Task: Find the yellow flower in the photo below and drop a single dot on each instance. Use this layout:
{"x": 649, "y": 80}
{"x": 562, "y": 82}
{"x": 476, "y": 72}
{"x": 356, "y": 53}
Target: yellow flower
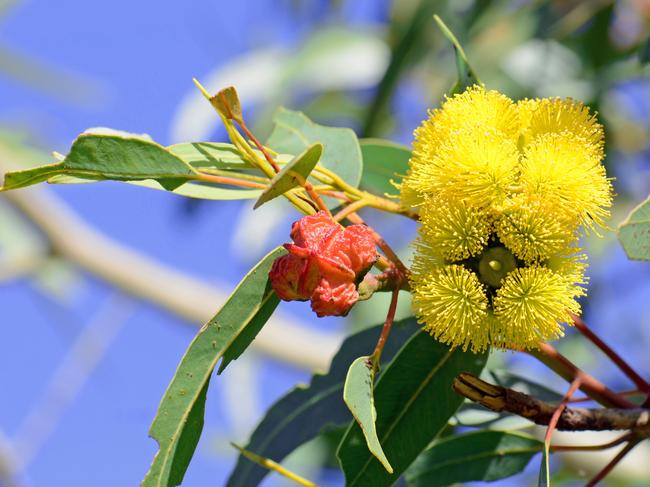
{"x": 533, "y": 231}
{"x": 456, "y": 300}
{"x": 565, "y": 171}
{"x": 504, "y": 191}
{"x": 456, "y": 230}
{"x": 554, "y": 116}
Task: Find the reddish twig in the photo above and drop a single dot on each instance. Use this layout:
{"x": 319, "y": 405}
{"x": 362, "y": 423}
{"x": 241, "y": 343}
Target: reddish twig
{"x": 610, "y": 466}
{"x": 390, "y": 317}
{"x": 605, "y": 446}
{"x": 559, "y": 409}
{"x": 569, "y": 371}
{"x": 620, "y": 362}
{"x": 633, "y": 392}
{"x": 257, "y": 143}
{"x": 381, "y": 243}
{"x": 210, "y": 178}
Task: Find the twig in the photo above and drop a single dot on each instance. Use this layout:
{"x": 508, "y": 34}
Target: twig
{"x": 604, "y": 446}
{"x": 552, "y": 424}
{"x": 619, "y": 361}
{"x": 610, "y": 466}
{"x": 499, "y": 398}
{"x": 569, "y": 371}
{"x": 390, "y": 317}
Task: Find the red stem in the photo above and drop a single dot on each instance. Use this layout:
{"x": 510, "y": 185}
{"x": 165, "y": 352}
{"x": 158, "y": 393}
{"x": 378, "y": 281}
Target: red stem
{"x": 230, "y": 181}
{"x": 381, "y": 243}
{"x": 558, "y": 411}
{"x": 390, "y": 317}
{"x": 569, "y": 371}
{"x": 620, "y": 362}
{"x": 610, "y": 466}
{"x": 257, "y": 143}
{"x": 605, "y": 446}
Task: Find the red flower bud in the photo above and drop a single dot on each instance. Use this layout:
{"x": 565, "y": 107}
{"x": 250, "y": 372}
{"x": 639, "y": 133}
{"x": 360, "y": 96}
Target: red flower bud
{"x": 324, "y": 263}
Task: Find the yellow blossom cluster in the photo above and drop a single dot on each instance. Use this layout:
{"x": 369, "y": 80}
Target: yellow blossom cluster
{"x": 504, "y": 190}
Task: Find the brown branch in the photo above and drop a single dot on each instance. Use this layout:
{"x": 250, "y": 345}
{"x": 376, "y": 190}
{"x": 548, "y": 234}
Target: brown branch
{"x": 499, "y": 399}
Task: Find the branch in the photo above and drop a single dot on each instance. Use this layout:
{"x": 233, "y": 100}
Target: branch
{"x": 498, "y": 399}
{"x": 182, "y": 295}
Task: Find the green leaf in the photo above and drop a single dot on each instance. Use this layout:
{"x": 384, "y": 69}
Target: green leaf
{"x": 382, "y": 161}
{"x": 634, "y": 232}
{"x": 307, "y": 411}
{"x": 477, "y": 456}
{"x": 414, "y": 402}
{"x": 544, "y": 479}
{"x": 109, "y": 155}
{"x": 124, "y": 156}
{"x": 290, "y": 175}
{"x": 466, "y": 75}
{"x": 176, "y": 426}
{"x": 210, "y": 155}
{"x": 294, "y": 132}
{"x": 358, "y": 396}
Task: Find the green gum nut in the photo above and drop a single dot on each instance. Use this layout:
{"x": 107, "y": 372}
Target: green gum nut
{"x": 495, "y": 264}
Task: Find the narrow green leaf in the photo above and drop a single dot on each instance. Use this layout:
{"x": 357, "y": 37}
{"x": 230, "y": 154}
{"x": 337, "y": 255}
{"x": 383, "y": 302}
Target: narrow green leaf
{"x": 294, "y": 132}
{"x": 307, "y": 411}
{"x": 358, "y": 396}
{"x": 414, "y": 402}
{"x": 124, "y": 156}
{"x": 212, "y": 155}
{"x": 634, "y": 232}
{"x": 383, "y": 161}
{"x": 544, "y": 470}
{"x": 176, "y": 427}
{"x": 466, "y": 75}
{"x": 109, "y": 155}
{"x": 189, "y": 190}
{"x": 477, "y": 456}
{"x": 286, "y": 179}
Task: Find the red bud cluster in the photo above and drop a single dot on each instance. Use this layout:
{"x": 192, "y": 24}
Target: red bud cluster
{"x": 324, "y": 264}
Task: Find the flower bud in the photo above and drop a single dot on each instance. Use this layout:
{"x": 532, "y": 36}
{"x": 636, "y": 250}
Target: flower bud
{"x": 324, "y": 264}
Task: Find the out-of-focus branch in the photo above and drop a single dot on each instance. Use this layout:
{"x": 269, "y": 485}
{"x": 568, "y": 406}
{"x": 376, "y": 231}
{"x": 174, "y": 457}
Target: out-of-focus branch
{"x": 185, "y": 296}
{"x": 68, "y": 379}
{"x": 498, "y": 398}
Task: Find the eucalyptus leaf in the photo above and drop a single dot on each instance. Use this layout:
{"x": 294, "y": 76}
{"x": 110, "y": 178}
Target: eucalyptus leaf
{"x": 289, "y": 177}
{"x": 294, "y": 132}
{"x": 307, "y": 411}
{"x": 414, "y": 401}
{"x": 109, "y": 155}
{"x": 544, "y": 479}
{"x": 466, "y": 75}
{"x": 477, "y": 456}
{"x": 358, "y": 396}
{"x": 634, "y": 232}
{"x": 179, "y": 420}
{"x": 210, "y": 155}
{"x": 383, "y": 161}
